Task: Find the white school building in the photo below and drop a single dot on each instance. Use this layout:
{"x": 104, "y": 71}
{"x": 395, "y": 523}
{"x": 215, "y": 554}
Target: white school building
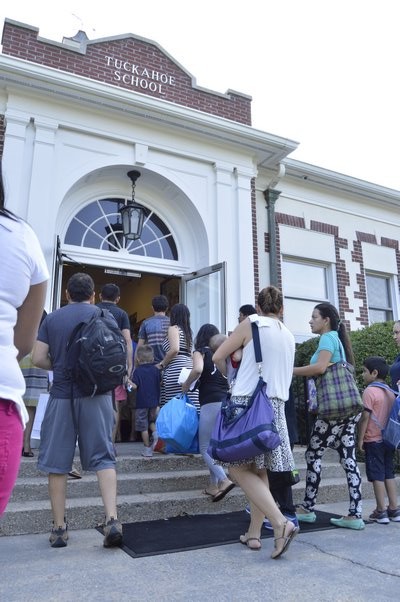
{"x": 227, "y": 211}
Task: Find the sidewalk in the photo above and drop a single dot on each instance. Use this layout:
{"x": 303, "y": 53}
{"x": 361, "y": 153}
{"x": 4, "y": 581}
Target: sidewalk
{"x": 327, "y": 566}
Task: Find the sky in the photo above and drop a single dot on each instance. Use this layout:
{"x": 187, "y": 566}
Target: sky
{"x": 324, "y": 73}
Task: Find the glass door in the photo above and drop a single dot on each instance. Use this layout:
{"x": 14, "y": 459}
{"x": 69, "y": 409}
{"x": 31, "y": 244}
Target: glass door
{"x": 203, "y": 292}
{"x": 57, "y": 276}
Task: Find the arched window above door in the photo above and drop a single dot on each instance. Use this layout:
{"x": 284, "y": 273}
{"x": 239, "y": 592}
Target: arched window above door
{"x": 98, "y": 226}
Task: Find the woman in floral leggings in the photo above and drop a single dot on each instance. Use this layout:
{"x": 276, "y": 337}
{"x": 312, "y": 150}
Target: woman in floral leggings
{"x": 333, "y": 344}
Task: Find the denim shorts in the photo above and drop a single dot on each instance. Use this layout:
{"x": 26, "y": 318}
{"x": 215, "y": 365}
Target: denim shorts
{"x": 144, "y": 417}
{"x": 378, "y": 461}
{"x": 90, "y": 422}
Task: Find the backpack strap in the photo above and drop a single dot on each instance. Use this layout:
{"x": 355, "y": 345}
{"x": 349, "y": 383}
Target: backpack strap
{"x": 380, "y": 385}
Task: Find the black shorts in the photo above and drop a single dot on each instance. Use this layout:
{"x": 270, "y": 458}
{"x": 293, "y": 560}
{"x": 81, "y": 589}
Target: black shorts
{"x": 378, "y": 461}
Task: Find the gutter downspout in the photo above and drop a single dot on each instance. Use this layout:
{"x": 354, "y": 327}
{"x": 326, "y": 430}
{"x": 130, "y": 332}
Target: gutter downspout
{"x": 271, "y": 195}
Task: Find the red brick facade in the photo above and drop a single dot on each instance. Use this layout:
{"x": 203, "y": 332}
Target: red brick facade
{"x": 130, "y": 63}
{"x": 342, "y": 274}
{"x": 2, "y": 133}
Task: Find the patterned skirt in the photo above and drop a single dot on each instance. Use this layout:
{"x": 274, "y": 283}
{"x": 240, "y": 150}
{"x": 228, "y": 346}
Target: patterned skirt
{"x": 36, "y": 381}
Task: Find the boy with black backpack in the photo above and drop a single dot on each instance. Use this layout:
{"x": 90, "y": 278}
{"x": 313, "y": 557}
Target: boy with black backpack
{"x": 79, "y": 409}
{"x": 378, "y": 400}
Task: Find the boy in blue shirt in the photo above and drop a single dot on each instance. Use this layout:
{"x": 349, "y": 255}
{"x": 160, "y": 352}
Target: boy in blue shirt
{"x": 146, "y": 379}
{"x": 378, "y": 401}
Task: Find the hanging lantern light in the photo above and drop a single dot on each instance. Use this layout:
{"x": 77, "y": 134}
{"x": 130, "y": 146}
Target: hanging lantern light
{"x": 132, "y": 214}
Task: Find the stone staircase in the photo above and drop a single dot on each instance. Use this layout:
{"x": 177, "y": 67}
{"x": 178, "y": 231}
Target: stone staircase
{"x": 148, "y": 489}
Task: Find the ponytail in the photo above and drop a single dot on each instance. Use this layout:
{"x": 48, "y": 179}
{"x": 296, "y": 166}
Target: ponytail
{"x": 327, "y": 310}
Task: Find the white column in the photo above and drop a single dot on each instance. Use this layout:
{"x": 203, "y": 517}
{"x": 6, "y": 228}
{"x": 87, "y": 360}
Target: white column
{"x": 15, "y": 158}
{"x": 245, "y": 237}
{"x": 234, "y": 237}
{"x": 43, "y": 206}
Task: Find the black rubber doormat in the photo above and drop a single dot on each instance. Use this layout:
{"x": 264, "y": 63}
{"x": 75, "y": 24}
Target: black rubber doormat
{"x": 189, "y": 532}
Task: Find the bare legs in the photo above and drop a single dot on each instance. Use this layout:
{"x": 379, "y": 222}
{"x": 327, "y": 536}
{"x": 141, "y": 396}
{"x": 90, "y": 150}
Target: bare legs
{"x": 254, "y": 483}
{"x": 58, "y": 492}
{"x": 107, "y": 480}
{"x": 381, "y": 488}
{"x": 28, "y": 429}
{"x": 116, "y": 436}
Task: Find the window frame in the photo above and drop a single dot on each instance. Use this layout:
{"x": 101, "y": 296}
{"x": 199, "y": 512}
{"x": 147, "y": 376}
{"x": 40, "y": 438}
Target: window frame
{"x": 392, "y": 290}
{"x": 330, "y": 283}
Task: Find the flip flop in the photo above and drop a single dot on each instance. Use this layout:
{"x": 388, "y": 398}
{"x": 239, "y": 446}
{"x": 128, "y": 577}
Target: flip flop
{"x": 28, "y": 454}
{"x": 75, "y": 474}
{"x": 208, "y": 492}
{"x": 246, "y": 542}
{"x": 287, "y": 540}
{"x": 222, "y": 492}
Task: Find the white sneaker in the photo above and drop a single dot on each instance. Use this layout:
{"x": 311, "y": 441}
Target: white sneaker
{"x": 147, "y": 452}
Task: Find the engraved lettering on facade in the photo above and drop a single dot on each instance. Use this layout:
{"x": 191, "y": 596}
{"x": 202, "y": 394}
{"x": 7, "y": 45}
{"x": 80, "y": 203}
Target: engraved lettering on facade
{"x": 138, "y": 76}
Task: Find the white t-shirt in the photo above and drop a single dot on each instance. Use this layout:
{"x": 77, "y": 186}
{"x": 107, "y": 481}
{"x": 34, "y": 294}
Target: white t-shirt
{"x": 277, "y": 348}
{"x": 22, "y": 264}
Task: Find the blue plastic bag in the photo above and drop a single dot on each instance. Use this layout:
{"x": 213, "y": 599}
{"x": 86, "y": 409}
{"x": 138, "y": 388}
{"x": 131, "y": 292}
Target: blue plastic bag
{"x": 177, "y": 422}
{"x": 192, "y": 449}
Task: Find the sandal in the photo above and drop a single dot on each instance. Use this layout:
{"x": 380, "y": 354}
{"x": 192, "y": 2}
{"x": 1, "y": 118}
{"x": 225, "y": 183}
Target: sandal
{"x": 28, "y": 454}
{"x": 286, "y": 539}
{"x": 222, "y": 492}
{"x": 75, "y": 474}
{"x": 245, "y": 540}
{"x": 212, "y": 490}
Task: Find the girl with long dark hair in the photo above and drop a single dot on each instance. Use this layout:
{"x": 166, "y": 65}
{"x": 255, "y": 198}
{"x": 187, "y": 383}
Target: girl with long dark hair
{"x": 213, "y": 388}
{"x": 334, "y": 343}
{"x": 178, "y": 347}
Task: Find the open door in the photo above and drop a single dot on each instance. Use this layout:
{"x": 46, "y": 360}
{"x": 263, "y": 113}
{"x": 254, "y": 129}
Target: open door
{"x": 204, "y": 292}
{"x": 57, "y": 276}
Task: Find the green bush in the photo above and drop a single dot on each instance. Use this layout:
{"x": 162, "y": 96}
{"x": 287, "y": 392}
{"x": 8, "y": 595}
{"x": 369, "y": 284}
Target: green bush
{"x": 305, "y": 350}
{"x": 376, "y": 339}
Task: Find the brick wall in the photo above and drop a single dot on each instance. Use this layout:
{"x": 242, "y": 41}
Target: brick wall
{"x": 342, "y": 275}
{"x": 357, "y": 257}
{"x": 2, "y": 134}
{"x": 130, "y": 63}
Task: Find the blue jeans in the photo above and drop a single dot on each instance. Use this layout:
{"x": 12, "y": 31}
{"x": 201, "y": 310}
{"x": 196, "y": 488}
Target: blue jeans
{"x": 208, "y": 416}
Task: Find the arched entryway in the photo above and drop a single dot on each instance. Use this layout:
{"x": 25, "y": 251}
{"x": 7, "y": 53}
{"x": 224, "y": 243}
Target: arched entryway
{"x": 169, "y": 257}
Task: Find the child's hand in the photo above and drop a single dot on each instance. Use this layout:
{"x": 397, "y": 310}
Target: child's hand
{"x": 237, "y": 355}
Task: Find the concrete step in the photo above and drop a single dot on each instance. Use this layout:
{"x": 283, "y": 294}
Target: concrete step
{"x": 129, "y": 460}
{"x": 35, "y": 488}
{"x": 148, "y": 489}
{"x": 85, "y": 513}
{"x": 132, "y": 482}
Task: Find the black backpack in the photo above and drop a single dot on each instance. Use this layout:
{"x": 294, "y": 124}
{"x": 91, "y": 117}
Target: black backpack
{"x": 96, "y": 354}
